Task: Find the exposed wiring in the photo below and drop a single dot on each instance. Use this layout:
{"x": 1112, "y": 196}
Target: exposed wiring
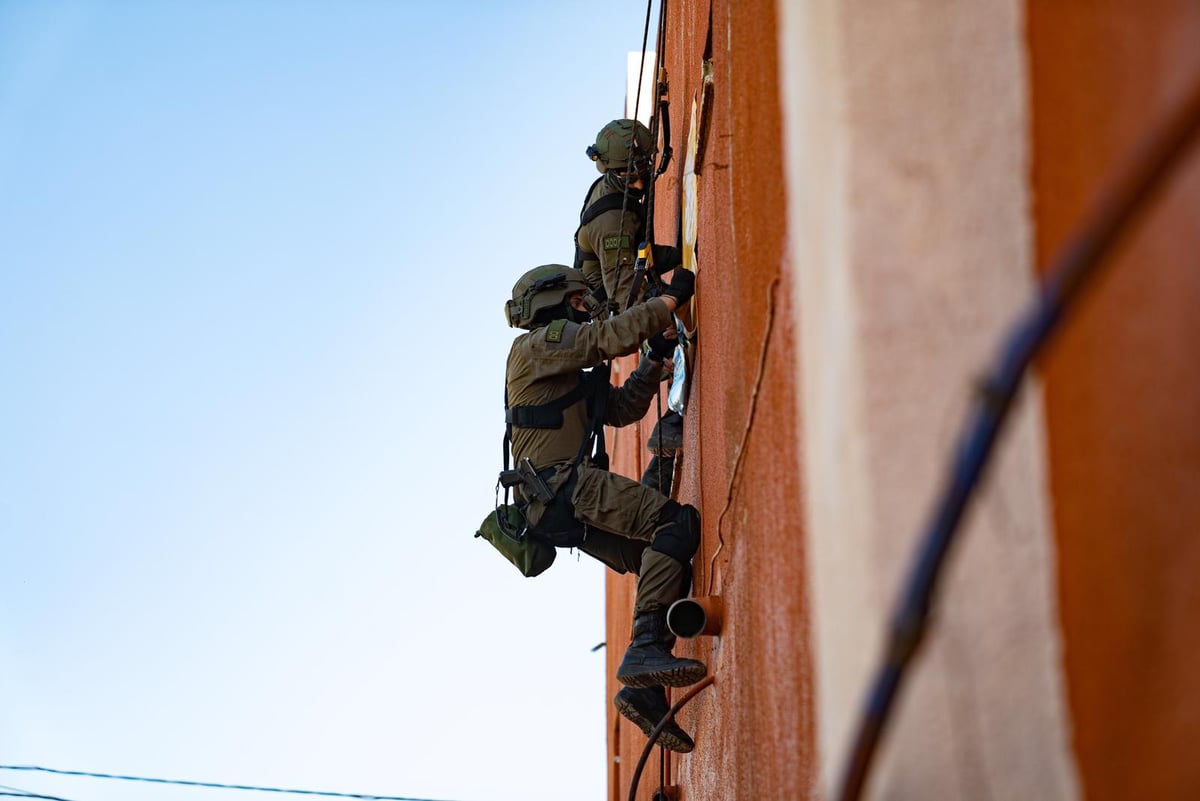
{"x": 737, "y": 464}
{"x": 26, "y": 794}
{"x": 214, "y": 785}
{"x": 14, "y": 789}
{"x": 662, "y": 724}
{"x": 1071, "y": 271}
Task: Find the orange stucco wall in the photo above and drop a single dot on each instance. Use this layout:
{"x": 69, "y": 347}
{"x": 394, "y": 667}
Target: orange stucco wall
{"x": 1122, "y": 388}
{"x": 1120, "y": 399}
{"x": 753, "y": 726}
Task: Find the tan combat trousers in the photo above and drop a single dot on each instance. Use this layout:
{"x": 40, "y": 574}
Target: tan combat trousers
{"x": 621, "y": 518}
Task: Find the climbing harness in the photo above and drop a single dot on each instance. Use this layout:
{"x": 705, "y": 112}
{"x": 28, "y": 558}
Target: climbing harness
{"x": 607, "y": 203}
{"x": 592, "y": 389}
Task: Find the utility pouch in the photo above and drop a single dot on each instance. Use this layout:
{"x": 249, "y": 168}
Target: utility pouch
{"x": 527, "y": 554}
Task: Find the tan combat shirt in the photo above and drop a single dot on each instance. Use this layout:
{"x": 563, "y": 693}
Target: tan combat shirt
{"x": 609, "y": 248}
{"x": 540, "y": 371}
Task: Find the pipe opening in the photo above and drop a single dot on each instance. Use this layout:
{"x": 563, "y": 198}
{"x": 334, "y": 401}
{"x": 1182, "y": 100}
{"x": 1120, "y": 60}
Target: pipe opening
{"x": 691, "y": 617}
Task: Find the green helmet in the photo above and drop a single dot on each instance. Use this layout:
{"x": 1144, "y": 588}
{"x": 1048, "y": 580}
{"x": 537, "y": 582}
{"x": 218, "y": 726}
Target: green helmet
{"x": 542, "y": 288}
{"x": 611, "y": 151}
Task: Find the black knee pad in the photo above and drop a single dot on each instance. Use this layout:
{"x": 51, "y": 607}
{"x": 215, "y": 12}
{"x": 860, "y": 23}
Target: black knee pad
{"x": 678, "y": 534}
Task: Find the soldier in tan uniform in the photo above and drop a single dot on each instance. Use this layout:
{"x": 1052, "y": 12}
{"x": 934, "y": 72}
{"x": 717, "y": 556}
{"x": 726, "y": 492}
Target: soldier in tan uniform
{"x": 612, "y": 221}
{"x": 611, "y": 226}
{"x": 553, "y": 407}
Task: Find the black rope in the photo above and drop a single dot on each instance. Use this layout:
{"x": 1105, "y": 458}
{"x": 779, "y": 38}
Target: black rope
{"x": 1074, "y": 269}
{"x": 658, "y": 428}
{"x": 637, "y": 99}
{"x": 662, "y": 771}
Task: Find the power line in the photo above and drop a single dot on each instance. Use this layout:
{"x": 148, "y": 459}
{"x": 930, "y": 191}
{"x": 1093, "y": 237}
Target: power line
{"x": 21, "y": 793}
{"x": 213, "y": 785}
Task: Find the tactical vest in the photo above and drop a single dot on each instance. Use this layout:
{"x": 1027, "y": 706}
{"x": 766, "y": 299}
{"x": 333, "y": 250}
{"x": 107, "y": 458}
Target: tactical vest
{"x": 592, "y": 388}
{"x": 613, "y": 201}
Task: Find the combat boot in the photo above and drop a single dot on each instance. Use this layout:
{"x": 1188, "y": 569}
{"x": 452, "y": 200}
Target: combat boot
{"x": 648, "y": 660}
{"x": 660, "y": 474}
{"x": 667, "y": 437}
{"x": 645, "y": 708}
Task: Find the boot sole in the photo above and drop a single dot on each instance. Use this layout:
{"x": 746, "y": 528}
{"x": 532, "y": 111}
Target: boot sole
{"x": 675, "y": 677}
{"x": 667, "y": 738}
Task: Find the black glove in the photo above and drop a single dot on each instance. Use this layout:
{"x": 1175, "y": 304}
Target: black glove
{"x": 661, "y": 347}
{"x": 666, "y": 258}
{"x": 682, "y": 286}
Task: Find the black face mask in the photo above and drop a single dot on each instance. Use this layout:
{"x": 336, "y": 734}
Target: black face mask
{"x": 577, "y": 316}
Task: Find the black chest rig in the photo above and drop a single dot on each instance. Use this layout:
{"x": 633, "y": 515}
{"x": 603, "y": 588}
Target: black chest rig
{"x": 613, "y": 201}
{"x": 593, "y": 388}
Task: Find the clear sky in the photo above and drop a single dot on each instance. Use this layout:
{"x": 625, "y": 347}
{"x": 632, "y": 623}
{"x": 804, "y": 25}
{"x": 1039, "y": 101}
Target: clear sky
{"x": 253, "y": 258}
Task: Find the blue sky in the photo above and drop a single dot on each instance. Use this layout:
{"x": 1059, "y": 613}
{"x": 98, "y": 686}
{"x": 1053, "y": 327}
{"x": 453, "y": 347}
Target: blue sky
{"x": 253, "y": 257}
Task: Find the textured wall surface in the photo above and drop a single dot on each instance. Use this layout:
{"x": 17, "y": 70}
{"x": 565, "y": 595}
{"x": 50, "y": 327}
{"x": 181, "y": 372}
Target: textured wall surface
{"x": 880, "y": 186}
{"x": 906, "y": 143}
{"x": 1123, "y": 397}
{"x": 753, "y": 727}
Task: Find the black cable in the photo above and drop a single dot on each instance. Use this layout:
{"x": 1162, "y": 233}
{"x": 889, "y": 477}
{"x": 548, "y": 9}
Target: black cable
{"x": 662, "y": 771}
{"x": 1073, "y": 269}
{"x": 637, "y": 99}
{"x": 658, "y": 428}
{"x": 632, "y": 140}
{"x": 24, "y": 794}
{"x": 652, "y": 738}
{"x": 214, "y": 785}
{"x": 14, "y": 789}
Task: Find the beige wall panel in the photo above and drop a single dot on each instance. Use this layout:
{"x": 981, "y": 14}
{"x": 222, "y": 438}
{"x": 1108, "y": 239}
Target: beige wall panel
{"x": 905, "y": 131}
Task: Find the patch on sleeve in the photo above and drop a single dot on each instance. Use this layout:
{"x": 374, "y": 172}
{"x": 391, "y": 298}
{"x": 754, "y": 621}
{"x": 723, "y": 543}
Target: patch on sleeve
{"x": 616, "y": 242}
{"x": 560, "y": 335}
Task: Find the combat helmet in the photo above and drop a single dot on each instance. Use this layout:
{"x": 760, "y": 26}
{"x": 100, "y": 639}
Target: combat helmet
{"x": 611, "y": 151}
{"x": 542, "y": 288}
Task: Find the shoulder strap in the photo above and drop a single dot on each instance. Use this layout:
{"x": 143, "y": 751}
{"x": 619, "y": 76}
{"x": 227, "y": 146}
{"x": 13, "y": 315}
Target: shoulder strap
{"x": 587, "y": 197}
{"x": 596, "y": 389}
{"x": 614, "y": 201}
{"x": 593, "y": 388}
{"x": 611, "y": 202}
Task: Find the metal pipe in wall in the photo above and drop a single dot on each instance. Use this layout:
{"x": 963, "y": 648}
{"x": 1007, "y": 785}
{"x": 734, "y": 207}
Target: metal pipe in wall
{"x": 692, "y": 617}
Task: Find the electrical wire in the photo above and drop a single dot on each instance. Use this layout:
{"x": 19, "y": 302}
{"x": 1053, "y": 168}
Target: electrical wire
{"x": 692, "y": 692}
{"x": 741, "y": 451}
{"x": 1074, "y": 268}
{"x": 27, "y": 794}
{"x": 213, "y": 785}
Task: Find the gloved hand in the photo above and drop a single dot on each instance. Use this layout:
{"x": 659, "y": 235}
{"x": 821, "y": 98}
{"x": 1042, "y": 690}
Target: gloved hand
{"x": 682, "y": 286}
{"x": 666, "y": 258}
{"x": 660, "y": 347}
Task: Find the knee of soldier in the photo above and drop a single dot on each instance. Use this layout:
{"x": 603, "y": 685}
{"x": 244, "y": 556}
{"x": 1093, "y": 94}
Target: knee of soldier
{"x": 678, "y": 532}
